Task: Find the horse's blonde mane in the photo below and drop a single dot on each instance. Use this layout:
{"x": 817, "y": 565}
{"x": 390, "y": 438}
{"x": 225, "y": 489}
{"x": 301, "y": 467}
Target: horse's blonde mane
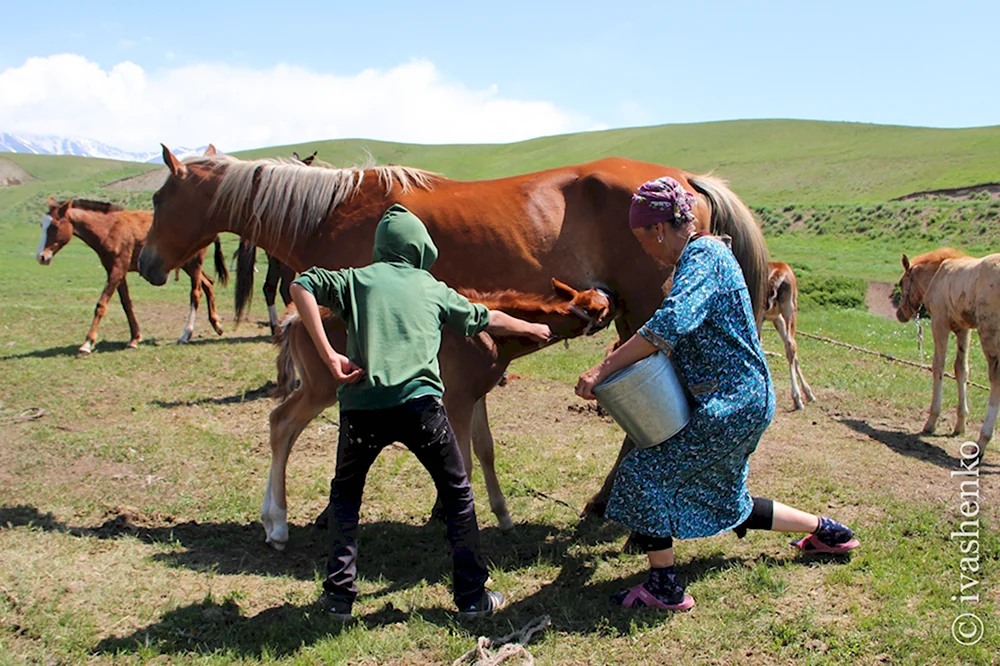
{"x": 282, "y": 197}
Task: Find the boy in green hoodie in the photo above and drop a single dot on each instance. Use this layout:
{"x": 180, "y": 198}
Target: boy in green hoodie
{"x": 391, "y": 391}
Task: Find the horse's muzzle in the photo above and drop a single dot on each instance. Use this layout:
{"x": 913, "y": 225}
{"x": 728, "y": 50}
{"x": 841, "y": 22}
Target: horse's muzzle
{"x": 902, "y": 316}
{"x": 44, "y": 258}
{"x": 151, "y": 268}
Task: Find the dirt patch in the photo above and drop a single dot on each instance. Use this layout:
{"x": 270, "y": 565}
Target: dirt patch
{"x": 878, "y": 299}
{"x": 12, "y": 174}
{"x": 986, "y": 190}
{"x": 144, "y": 182}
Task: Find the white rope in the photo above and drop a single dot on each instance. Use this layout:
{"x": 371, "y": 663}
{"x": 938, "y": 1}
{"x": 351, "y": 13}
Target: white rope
{"x": 510, "y": 645}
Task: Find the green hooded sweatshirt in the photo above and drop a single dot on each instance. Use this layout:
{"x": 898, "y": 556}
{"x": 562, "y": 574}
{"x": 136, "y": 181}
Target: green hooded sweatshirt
{"x": 394, "y": 310}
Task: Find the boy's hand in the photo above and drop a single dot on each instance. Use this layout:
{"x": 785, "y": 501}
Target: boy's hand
{"x": 539, "y": 333}
{"x": 343, "y": 370}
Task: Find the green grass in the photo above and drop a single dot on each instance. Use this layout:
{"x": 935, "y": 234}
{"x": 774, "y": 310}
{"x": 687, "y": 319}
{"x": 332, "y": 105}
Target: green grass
{"x": 768, "y": 162}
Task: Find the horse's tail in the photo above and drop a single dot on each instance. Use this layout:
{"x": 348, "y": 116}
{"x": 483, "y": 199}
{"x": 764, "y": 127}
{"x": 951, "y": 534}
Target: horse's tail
{"x": 731, "y": 216}
{"x": 285, "y": 361}
{"x": 246, "y": 257}
{"x": 221, "y": 272}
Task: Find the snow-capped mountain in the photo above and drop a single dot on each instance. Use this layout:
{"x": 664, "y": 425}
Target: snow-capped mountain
{"x": 40, "y": 144}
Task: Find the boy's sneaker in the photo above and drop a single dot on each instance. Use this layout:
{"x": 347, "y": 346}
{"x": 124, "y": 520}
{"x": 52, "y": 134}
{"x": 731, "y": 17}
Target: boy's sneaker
{"x": 489, "y": 603}
{"x": 337, "y": 609}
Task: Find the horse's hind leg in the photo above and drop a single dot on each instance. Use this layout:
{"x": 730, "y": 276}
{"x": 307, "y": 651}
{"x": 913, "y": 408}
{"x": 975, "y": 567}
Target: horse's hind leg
{"x": 133, "y": 323}
{"x": 599, "y": 502}
{"x": 287, "y": 420}
{"x": 270, "y": 290}
{"x": 115, "y": 276}
{"x": 208, "y": 285}
{"x": 989, "y": 423}
{"x": 194, "y": 272}
{"x": 962, "y": 378}
{"x": 790, "y": 351}
{"x": 482, "y": 444}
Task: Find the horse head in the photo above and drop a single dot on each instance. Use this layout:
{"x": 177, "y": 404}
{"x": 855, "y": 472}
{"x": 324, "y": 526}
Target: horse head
{"x": 181, "y": 222}
{"x": 57, "y": 230}
{"x": 593, "y": 307}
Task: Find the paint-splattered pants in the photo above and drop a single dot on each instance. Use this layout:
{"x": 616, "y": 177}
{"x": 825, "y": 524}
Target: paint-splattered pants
{"x": 422, "y": 425}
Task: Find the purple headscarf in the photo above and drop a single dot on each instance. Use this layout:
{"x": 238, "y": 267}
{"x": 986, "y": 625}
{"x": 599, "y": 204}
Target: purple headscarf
{"x": 661, "y": 200}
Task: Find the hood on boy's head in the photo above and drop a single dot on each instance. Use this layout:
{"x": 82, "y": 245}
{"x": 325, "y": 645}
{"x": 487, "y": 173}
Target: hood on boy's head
{"x": 401, "y": 237}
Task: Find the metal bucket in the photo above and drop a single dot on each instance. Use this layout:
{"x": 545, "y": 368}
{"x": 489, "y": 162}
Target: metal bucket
{"x": 646, "y": 399}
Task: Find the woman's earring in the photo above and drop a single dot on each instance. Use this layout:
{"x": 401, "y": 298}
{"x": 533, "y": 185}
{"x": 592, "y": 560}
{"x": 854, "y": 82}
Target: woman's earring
{"x": 659, "y": 239}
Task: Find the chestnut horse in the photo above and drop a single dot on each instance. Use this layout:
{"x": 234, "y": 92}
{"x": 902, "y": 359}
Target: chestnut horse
{"x": 781, "y": 310}
{"x": 961, "y": 293}
{"x": 116, "y": 235}
{"x": 278, "y": 279}
{"x": 469, "y": 366}
{"x": 507, "y": 233}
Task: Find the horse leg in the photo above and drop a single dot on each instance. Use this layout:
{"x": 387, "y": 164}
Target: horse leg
{"x": 115, "y": 276}
{"x": 599, "y": 502}
{"x": 940, "y": 332}
{"x": 195, "y": 274}
{"x": 482, "y": 444}
{"x": 789, "y": 311}
{"x": 962, "y": 378}
{"x": 133, "y": 324}
{"x": 287, "y": 420}
{"x": 287, "y": 277}
{"x": 270, "y": 290}
{"x": 993, "y": 405}
{"x": 208, "y": 286}
{"x": 783, "y": 332}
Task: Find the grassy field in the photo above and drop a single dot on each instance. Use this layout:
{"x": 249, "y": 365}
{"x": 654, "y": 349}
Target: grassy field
{"x": 769, "y": 162}
{"x": 128, "y": 512}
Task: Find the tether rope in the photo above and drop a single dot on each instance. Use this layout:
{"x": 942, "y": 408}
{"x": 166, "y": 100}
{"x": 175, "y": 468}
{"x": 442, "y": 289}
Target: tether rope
{"x": 888, "y": 357}
{"x": 510, "y": 645}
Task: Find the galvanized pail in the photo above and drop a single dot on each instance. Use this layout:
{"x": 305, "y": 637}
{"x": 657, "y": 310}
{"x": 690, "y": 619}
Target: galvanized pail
{"x": 646, "y": 399}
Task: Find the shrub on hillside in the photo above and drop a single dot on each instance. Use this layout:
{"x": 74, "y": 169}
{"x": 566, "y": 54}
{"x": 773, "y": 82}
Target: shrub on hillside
{"x": 830, "y": 291}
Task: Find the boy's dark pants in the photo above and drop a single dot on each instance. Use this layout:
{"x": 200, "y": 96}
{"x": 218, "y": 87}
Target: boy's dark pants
{"x": 422, "y": 425}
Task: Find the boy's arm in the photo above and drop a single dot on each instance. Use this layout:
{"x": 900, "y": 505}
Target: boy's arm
{"x": 469, "y": 319}
{"x": 502, "y": 323}
{"x": 343, "y": 370}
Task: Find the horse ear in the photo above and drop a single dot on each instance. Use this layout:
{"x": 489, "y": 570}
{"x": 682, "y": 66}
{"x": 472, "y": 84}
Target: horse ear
{"x": 52, "y": 203}
{"x": 309, "y": 160}
{"x": 906, "y": 263}
{"x": 564, "y": 289}
{"x": 211, "y": 150}
{"x": 176, "y": 167}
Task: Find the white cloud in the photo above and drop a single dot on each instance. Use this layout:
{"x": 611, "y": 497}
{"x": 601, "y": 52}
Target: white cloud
{"x": 238, "y": 108}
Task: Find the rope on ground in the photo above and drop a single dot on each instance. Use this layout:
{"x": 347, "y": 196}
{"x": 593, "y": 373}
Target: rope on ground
{"x": 888, "y": 357}
{"x": 27, "y": 414}
{"x": 510, "y": 645}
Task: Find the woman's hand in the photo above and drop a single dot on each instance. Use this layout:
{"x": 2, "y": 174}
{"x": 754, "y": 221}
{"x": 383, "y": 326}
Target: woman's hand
{"x": 343, "y": 369}
{"x": 588, "y": 380}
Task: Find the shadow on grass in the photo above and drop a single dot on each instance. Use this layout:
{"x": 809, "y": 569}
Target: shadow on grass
{"x": 905, "y": 444}
{"x": 402, "y": 555}
{"x": 263, "y": 391}
{"x": 70, "y": 350}
{"x": 229, "y": 340}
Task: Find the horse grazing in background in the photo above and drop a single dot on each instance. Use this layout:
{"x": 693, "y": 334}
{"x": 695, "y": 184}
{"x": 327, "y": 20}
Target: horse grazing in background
{"x": 961, "y": 293}
{"x": 117, "y": 236}
{"x": 781, "y": 310}
{"x": 277, "y": 273}
{"x": 509, "y": 233}
{"x": 469, "y": 368}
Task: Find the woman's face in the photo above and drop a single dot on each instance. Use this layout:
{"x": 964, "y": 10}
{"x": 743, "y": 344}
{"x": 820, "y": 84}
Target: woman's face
{"x": 662, "y": 242}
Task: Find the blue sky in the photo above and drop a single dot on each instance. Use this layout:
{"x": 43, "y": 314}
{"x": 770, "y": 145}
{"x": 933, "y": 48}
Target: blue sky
{"x": 468, "y": 71}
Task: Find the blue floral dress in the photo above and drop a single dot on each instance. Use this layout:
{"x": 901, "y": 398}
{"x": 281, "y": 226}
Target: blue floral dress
{"x": 695, "y": 483}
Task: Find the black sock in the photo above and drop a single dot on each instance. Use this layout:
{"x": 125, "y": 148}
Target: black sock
{"x": 662, "y": 582}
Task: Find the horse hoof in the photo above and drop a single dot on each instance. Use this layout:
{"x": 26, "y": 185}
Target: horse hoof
{"x": 277, "y": 545}
{"x": 505, "y": 523}
{"x": 594, "y": 508}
